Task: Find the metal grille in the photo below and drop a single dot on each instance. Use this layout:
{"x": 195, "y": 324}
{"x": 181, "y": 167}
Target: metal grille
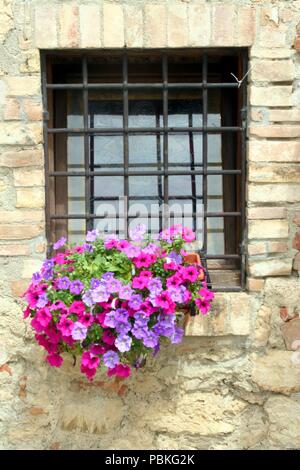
{"x": 163, "y": 171}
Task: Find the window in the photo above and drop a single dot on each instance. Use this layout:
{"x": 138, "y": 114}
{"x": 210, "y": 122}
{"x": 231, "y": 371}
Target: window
{"x": 149, "y": 134}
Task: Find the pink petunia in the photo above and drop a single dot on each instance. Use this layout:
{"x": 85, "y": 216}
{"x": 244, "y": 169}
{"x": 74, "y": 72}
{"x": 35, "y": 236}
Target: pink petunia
{"x": 26, "y": 312}
{"x": 55, "y": 360}
{"x": 206, "y": 294}
{"x": 65, "y": 326}
{"x": 44, "y": 316}
{"x": 77, "y": 307}
{"x": 140, "y": 282}
{"x": 121, "y": 370}
{"x": 174, "y": 281}
{"x": 89, "y": 360}
{"x": 98, "y": 349}
{"x": 108, "y": 337}
{"x": 189, "y": 273}
{"x": 188, "y": 235}
{"x": 203, "y": 305}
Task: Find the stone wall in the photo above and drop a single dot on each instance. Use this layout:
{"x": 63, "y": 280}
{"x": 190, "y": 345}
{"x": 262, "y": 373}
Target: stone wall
{"x": 231, "y": 384}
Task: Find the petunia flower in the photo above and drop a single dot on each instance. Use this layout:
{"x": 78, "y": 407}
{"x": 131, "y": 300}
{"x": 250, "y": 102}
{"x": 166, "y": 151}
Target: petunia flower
{"x": 79, "y": 331}
{"x": 92, "y": 235}
{"x": 61, "y": 242}
{"x": 55, "y": 360}
{"x": 111, "y": 359}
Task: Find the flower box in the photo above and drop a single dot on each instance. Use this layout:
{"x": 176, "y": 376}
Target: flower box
{"x": 114, "y": 301}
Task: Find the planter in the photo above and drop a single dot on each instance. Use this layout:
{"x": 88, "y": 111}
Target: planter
{"x": 112, "y": 301}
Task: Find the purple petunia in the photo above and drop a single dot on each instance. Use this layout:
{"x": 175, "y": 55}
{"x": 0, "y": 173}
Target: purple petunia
{"x": 111, "y": 359}
{"x": 135, "y": 302}
{"x": 42, "y": 301}
{"x": 87, "y": 298}
{"x": 113, "y": 285}
{"x": 125, "y": 292}
{"x": 95, "y": 283}
{"x": 61, "y": 242}
{"x": 79, "y": 331}
{"x": 36, "y": 278}
{"x": 123, "y": 343}
{"x": 155, "y": 286}
{"x": 150, "y": 340}
{"x": 122, "y": 327}
{"x": 92, "y": 235}
{"x": 177, "y": 336}
{"x": 137, "y": 234}
{"x": 63, "y": 283}
{"x": 100, "y": 294}
{"x": 139, "y": 330}
{"x": 76, "y": 287}
{"x": 110, "y": 319}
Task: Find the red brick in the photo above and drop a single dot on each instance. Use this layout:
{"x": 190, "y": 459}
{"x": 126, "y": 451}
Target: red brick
{"x": 18, "y": 287}
{"x": 11, "y": 110}
{"x": 15, "y": 159}
{"x": 32, "y": 110}
{"x": 296, "y": 241}
{"x": 20, "y": 232}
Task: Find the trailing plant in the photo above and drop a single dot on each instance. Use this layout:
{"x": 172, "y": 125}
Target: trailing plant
{"x": 112, "y": 301}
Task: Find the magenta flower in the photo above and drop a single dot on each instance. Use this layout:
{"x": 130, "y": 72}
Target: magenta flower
{"x": 188, "y": 234}
{"x": 90, "y": 360}
{"x": 44, "y": 317}
{"x": 55, "y": 360}
{"x": 189, "y": 273}
{"x": 206, "y": 294}
{"x": 120, "y": 370}
{"x": 203, "y": 305}
{"x": 108, "y": 337}
{"x": 140, "y": 282}
{"x": 77, "y": 307}
{"x": 65, "y": 326}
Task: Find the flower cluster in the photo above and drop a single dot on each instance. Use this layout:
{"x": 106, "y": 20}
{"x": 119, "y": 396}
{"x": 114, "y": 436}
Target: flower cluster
{"x": 114, "y": 301}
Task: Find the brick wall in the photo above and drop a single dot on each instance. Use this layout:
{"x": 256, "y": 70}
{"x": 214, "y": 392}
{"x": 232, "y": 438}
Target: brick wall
{"x": 231, "y": 384}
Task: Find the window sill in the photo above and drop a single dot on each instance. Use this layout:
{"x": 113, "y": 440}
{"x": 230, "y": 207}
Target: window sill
{"x": 230, "y": 315}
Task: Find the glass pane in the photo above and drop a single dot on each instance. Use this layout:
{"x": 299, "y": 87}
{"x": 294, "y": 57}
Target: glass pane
{"x": 108, "y": 186}
{"x": 215, "y": 235}
{"x": 107, "y": 152}
{"x": 145, "y": 109}
{"x": 105, "y": 109}
{"x": 145, "y": 149}
{"x": 185, "y": 109}
{"x": 185, "y": 149}
{"x": 75, "y": 153}
{"x": 144, "y": 186}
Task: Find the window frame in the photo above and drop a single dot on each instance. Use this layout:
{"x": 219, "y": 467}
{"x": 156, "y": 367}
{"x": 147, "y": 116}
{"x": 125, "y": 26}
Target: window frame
{"x": 165, "y": 86}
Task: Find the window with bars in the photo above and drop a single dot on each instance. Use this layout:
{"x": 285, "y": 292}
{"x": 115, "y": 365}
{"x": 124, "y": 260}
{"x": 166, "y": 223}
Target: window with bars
{"x": 144, "y": 135}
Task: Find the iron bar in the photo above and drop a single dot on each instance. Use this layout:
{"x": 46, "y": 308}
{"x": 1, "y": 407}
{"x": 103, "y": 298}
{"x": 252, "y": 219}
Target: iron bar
{"x": 138, "y": 86}
{"x": 144, "y": 130}
{"x": 86, "y": 143}
{"x": 144, "y": 173}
